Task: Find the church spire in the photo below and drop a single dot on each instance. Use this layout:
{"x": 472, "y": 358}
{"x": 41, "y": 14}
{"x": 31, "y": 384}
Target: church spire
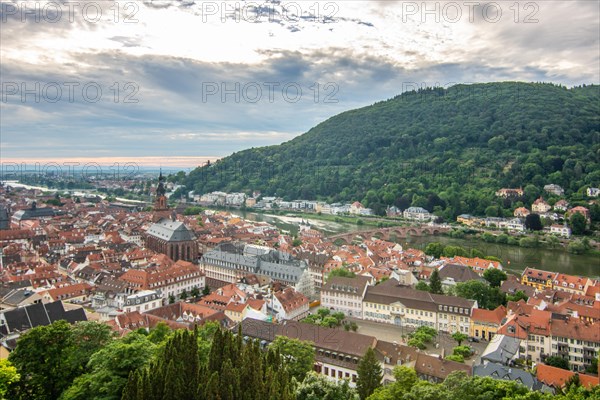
{"x": 160, "y": 190}
{"x": 161, "y": 209}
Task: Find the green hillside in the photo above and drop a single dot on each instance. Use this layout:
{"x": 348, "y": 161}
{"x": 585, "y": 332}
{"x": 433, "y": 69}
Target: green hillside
{"x": 447, "y": 150}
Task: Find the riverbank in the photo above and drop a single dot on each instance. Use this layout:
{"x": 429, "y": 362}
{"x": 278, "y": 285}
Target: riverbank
{"x": 514, "y": 258}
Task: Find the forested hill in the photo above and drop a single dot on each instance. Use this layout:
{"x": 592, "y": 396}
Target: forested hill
{"x": 448, "y": 149}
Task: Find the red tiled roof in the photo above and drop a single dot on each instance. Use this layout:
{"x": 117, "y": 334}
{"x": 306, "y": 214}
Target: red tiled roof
{"x": 557, "y": 377}
{"x": 69, "y": 291}
{"x": 491, "y": 316}
{"x": 291, "y": 299}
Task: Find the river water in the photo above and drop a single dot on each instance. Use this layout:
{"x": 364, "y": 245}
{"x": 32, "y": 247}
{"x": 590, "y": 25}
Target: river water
{"x": 515, "y": 259}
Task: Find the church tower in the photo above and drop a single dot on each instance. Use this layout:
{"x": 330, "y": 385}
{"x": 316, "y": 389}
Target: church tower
{"x": 161, "y": 209}
{"x": 167, "y": 235}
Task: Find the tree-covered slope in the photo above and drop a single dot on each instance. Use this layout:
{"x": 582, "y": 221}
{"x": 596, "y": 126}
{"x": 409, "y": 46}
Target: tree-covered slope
{"x": 446, "y": 148}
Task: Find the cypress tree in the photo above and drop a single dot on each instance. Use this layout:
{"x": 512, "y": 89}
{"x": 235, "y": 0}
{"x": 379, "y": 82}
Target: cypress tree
{"x": 369, "y": 374}
{"x": 215, "y": 358}
{"x": 435, "y": 283}
{"x": 211, "y": 391}
{"x": 130, "y": 389}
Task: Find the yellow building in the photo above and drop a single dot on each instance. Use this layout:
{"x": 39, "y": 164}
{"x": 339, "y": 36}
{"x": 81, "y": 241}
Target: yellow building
{"x": 485, "y": 323}
{"x": 236, "y": 311}
{"x": 537, "y": 278}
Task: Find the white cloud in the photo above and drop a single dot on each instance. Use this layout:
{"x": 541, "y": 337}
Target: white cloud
{"x": 368, "y": 50}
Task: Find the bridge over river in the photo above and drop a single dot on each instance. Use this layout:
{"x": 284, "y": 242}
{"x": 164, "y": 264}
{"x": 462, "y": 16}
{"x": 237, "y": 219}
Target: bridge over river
{"x": 390, "y": 233}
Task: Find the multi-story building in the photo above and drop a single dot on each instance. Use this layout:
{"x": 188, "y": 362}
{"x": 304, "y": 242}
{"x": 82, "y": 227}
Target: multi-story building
{"x": 593, "y": 192}
{"x": 580, "y": 210}
{"x": 143, "y": 301}
{"x": 338, "y": 353}
{"x": 561, "y": 205}
{"x": 183, "y": 276}
{"x": 230, "y": 262}
{"x": 571, "y": 283}
{"x": 345, "y": 294}
{"x": 575, "y": 340}
{"x": 541, "y": 280}
{"x": 537, "y": 278}
{"x": 392, "y": 303}
{"x": 521, "y": 212}
{"x": 540, "y": 206}
{"x": 533, "y": 331}
{"x": 560, "y": 230}
{"x": 508, "y": 193}
{"x": 479, "y": 265}
{"x": 417, "y": 213}
{"x": 541, "y": 334}
{"x": 289, "y": 304}
{"x": 554, "y": 189}
{"x": 485, "y": 323}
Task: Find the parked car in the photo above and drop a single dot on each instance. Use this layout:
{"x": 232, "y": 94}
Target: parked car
{"x": 473, "y": 339}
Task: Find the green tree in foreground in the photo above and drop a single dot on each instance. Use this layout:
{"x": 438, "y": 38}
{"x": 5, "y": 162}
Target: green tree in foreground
{"x": 110, "y": 368}
{"x": 8, "y": 377}
{"x": 369, "y": 374}
{"x": 50, "y": 357}
{"x": 233, "y": 370}
{"x": 405, "y": 379}
{"x": 318, "y": 387}
{"x": 299, "y": 355}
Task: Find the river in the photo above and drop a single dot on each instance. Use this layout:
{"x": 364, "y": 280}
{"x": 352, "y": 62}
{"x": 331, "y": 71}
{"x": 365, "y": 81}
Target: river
{"x": 515, "y": 259}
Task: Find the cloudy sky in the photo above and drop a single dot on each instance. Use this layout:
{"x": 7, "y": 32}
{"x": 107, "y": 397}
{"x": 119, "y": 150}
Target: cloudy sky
{"x": 153, "y": 81}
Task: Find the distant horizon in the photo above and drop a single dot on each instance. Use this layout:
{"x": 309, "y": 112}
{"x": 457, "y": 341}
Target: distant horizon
{"x": 28, "y": 164}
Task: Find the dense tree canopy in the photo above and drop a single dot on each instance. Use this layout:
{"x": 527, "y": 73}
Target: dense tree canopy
{"x": 49, "y": 358}
{"x": 459, "y": 386}
{"x": 447, "y": 150}
{"x": 8, "y": 377}
{"x": 300, "y": 355}
{"x": 486, "y": 296}
{"x": 494, "y": 276}
{"x": 318, "y": 387}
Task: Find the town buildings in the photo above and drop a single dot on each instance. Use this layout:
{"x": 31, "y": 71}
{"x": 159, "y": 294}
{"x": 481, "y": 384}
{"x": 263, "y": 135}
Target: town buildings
{"x": 392, "y": 303}
{"x": 338, "y": 352}
{"x": 167, "y": 235}
{"x": 417, "y": 214}
{"x": 229, "y": 262}
{"x": 345, "y": 295}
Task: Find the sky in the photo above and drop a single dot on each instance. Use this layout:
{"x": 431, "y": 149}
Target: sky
{"x": 179, "y": 82}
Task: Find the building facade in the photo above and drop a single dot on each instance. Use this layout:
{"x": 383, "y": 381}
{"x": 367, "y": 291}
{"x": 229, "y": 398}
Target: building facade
{"x": 345, "y": 295}
{"x": 400, "y": 305}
